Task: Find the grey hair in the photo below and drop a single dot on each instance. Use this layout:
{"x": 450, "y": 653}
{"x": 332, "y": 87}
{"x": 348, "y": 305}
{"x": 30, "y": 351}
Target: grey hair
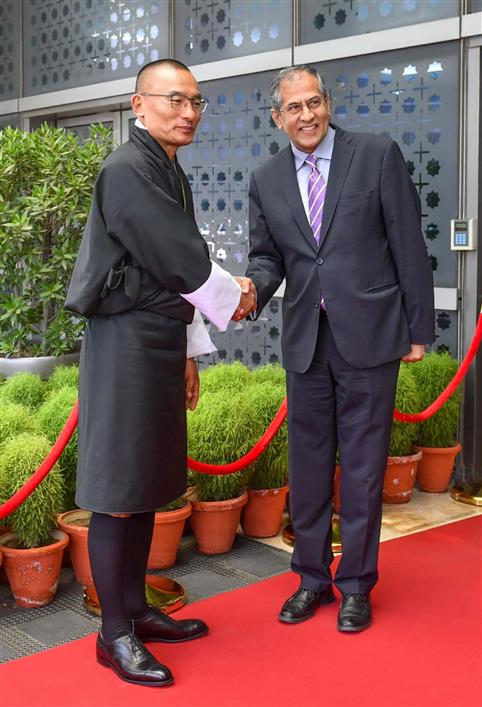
{"x": 290, "y": 73}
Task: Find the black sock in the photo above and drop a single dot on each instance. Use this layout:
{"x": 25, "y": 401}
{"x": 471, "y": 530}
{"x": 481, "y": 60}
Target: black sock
{"x": 139, "y": 536}
{"x": 107, "y": 554}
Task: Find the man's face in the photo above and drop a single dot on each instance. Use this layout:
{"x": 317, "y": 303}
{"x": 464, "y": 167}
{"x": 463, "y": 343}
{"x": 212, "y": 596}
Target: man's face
{"x": 305, "y": 113}
{"x": 171, "y": 128}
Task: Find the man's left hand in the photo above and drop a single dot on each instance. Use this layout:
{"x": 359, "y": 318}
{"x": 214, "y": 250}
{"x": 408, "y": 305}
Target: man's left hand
{"x": 416, "y": 353}
{"x": 191, "y": 379}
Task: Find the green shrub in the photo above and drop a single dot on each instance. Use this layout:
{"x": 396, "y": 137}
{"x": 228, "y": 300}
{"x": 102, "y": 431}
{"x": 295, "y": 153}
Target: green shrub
{"x": 270, "y": 470}
{"x": 27, "y": 389}
{"x": 407, "y": 400}
{"x": 46, "y": 183}
{"x": 20, "y": 456}
{"x": 226, "y": 377}
{"x": 433, "y": 374}
{"x": 63, "y": 376}
{"x": 270, "y": 373}
{"x": 15, "y": 419}
{"x": 222, "y": 429}
{"x": 174, "y": 505}
{"x": 51, "y": 418}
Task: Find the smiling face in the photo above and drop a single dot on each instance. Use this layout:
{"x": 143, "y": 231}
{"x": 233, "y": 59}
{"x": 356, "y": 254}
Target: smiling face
{"x": 306, "y": 128}
{"x": 171, "y": 128}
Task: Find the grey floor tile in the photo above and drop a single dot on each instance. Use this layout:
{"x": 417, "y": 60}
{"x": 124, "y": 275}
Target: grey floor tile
{"x": 7, "y": 653}
{"x": 207, "y": 583}
{"x": 261, "y": 565}
{"x": 57, "y": 628}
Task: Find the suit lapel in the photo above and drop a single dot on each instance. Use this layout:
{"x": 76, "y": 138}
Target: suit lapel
{"x": 293, "y": 196}
{"x": 340, "y": 161}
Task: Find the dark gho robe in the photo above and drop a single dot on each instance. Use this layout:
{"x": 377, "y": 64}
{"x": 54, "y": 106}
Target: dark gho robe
{"x": 141, "y": 247}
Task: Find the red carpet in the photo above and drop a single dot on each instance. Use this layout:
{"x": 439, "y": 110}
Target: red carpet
{"x": 424, "y": 648}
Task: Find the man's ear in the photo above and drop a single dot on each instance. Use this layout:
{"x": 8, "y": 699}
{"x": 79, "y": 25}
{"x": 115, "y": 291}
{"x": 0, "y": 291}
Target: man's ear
{"x": 137, "y": 104}
{"x": 277, "y": 119}
{"x": 328, "y": 104}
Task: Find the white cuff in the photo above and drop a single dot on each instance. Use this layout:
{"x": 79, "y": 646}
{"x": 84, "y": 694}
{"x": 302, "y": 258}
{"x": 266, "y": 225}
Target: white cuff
{"x": 217, "y": 298}
{"x": 198, "y": 339}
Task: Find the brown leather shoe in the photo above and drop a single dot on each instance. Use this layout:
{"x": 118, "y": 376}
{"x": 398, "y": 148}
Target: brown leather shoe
{"x": 132, "y": 662}
{"x": 159, "y": 627}
{"x": 303, "y": 604}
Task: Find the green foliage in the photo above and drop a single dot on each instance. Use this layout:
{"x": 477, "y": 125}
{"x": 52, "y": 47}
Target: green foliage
{"x": 270, "y": 470}
{"x": 174, "y": 505}
{"x": 222, "y": 429}
{"x": 34, "y": 519}
{"x": 63, "y": 376}
{"x": 433, "y": 374}
{"x": 270, "y": 373}
{"x": 26, "y": 389}
{"x": 14, "y": 419}
{"x": 225, "y": 376}
{"x": 407, "y": 400}
{"x": 51, "y": 418}
{"x": 46, "y": 184}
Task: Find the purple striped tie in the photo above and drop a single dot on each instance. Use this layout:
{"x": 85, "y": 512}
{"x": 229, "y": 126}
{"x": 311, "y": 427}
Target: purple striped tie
{"x": 316, "y": 196}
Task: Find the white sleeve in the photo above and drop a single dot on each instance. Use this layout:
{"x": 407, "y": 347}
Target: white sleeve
{"x": 217, "y": 298}
{"x": 198, "y": 339}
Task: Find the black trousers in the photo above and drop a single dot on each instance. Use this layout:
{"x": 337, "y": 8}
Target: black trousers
{"x": 335, "y": 405}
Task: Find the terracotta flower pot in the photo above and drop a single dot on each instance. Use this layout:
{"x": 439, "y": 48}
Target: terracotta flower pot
{"x": 435, "y": 469}
{"x": 33, "y": 574}
{"x": 336, "y": 489}
{"x": 215, "y": 523}
{"x": 76, "y": 524}
{"x": 261, "y": 516}
{"x": 400, "y": 476}
{"x": 168, "y": 527}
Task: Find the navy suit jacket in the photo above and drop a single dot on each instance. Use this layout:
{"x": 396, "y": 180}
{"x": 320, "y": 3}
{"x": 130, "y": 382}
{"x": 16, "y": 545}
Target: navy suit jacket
{"x": 371, "y": 263}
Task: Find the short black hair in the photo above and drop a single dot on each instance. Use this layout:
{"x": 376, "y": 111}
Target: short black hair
{"x": 159, "y": 62}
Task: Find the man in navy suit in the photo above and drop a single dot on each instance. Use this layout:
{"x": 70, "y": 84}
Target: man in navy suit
{"x": 336, "y": 214}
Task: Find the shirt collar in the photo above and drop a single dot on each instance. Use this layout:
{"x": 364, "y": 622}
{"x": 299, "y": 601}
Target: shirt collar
{"x": 324, "y": 150}
{"x": 140, "y": 125}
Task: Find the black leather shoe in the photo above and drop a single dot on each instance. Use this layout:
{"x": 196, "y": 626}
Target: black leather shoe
{"x": 159, "y": 627}
{"x": 132, "y": 661}
{"x": 303, "y": 604}
{"x": 355, "y": 613}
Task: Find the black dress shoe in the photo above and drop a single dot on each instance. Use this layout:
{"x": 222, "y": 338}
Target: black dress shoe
{"x": 132, "y": 661}
{"x": 159, "y": 627}
{"x": 355, "y": 613}
{"x": 303, "y": 604}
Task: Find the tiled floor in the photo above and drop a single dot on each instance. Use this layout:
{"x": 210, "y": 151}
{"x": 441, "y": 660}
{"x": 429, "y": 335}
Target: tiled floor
{"x": 25, "y": 631}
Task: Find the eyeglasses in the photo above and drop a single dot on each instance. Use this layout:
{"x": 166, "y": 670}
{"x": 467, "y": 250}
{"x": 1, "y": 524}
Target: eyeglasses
{"x": 296, "y": 108}
{"x": 179, "y": 101}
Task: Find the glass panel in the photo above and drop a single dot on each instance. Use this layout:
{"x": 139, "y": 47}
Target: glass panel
{"x": 329, "y": 19}
{"x": 475, "y": 5}
{"x": 9, "y": 49}
{"x": 82, "y": 130}
{"x": 410, "y": 95}
{"x": 235, "y": 135}
{"x": 208, "y": 30}
{"x": 12, "y": 120}
{"x": 71, "y": 43}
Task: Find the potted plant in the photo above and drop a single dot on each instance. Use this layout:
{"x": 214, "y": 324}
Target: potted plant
{"x": 403, "y": 460}
{"x": 222, "y": 429}
{"x": 271, "y": 373}
{"x": 267, "y": 486}
{"x": 46, "y": 184}
{"x": 168, "y": 529}
{"x": 32, "y": 552}
{"x": 75, "y": 524}
{"x": 27, "y": 389}
{"x": 15, "y": 419}
{"x": 229, "y": 377}
{"x": 437, "y": 436}
{"x": 51, "y": 418}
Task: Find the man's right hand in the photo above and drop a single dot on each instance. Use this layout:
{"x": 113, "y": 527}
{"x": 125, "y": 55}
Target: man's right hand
{"x": 247, "y": 303}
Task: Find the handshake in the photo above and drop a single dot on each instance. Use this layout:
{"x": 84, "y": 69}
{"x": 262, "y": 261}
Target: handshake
{"x": 247, "y": 303}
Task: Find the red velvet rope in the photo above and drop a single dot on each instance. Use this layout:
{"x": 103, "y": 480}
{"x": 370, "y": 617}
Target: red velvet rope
{"x": 19, "y": 497}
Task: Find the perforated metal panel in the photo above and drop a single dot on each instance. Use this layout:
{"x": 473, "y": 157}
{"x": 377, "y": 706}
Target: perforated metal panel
{"x": 71, "y": 43}
{"x": 9, "y": 49}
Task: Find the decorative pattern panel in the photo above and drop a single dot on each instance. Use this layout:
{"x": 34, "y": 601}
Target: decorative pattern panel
{"x": 9, "y": 49}
{"x": 71, "y": 43}
{"x": 235, "y": 135}
{"x": 209, "y": 30}
{"x": 409, "y": 95}
{"x": 330, "y": 19}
